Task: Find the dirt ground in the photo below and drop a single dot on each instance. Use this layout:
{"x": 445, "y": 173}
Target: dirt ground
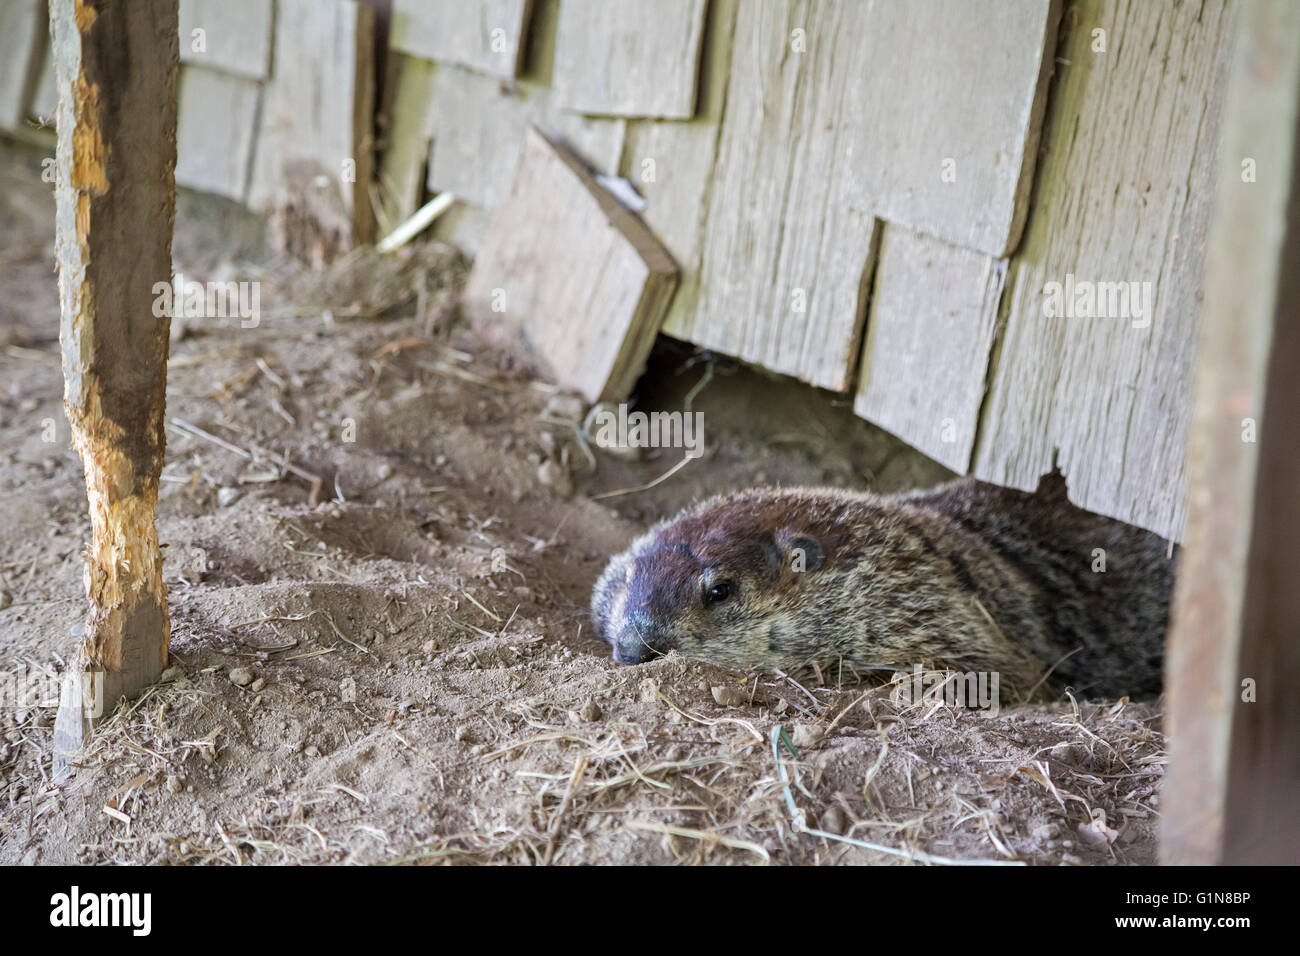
{"x": 395, "y": 663}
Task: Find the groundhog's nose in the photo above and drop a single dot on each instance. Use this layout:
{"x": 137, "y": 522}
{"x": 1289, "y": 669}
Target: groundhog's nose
{"x": 631, "y": 653}
{"x": 638, "y": 641}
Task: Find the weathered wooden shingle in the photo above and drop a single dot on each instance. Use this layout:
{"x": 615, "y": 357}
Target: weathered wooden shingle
{"x": 229, "y": 35}
{"x": 583, "y": 278}
{"x": 629, "y": 59}
{"x": 214, "y": 137}
{"x": 934, "y": 310}
{"x": 314, "y": 135}
{"x": 672, "y": 163}
{"x": 22, "y": 25}
{"x": 1122, "y": 197}
{"x": 484, "y": 35}
{"x": 827, "y": 128}
{"x": 479, "y": 130}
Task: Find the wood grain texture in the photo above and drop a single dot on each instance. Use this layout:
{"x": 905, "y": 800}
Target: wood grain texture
{"x": 235, "y": 35}
{"x": 1123, "y": 196}
{"x": 672, "y": 163}
{"x": 1229, "y": 796}
{"x": 934, "y": 310}
{"x": 786, "y": 244}
{"x": 214, "y": 137}
{"x": 629, "y": 59}
{"x": 22, "y": 29}
{"x": 827, "y": 129}
{"x": 483, "y": 35}
{"x": 479, "y": 131}
{"x": 582, "y": 278}
{"x": 314, "y": 142}
{"x": 115, "y": 206}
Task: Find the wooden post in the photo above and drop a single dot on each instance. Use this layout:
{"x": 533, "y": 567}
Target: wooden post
{"x": 1234, "y": 657}
{"x": 116, "y": 69}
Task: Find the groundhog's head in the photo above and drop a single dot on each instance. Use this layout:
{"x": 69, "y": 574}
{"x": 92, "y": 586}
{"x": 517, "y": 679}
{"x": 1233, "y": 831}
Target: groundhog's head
{"x": 734, "y": 581}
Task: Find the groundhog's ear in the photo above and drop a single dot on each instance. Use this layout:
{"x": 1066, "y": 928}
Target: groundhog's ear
{"x": 800, "y": 552}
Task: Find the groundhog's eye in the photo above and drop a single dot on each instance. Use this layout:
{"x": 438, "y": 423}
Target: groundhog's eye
{"x": 717, "y": 592}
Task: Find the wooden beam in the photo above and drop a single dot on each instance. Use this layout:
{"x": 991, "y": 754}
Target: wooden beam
{"x": 1234, "y": 661}
{"x": 116, "y": 69}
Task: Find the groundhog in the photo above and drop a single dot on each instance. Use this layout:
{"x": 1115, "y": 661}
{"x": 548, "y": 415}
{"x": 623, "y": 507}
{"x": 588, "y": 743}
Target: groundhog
{"x": 968, "y": 576}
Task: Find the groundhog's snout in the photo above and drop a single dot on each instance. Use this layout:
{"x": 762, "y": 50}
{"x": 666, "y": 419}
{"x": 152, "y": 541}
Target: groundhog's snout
{"x": 642, "y": 636}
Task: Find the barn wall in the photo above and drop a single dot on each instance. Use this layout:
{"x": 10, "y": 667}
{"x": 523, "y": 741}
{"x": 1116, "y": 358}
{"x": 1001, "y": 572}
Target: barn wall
{"x": 881, "y": 199}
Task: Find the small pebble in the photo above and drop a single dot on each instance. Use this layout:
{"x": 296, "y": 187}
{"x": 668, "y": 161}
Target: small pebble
{"x": 173, "y": 673}
{"x": 257, "y": 685}
{"x": 807, "y": 735}
{"x": 728, "y": 696}
{"x": 174, "y": 784}
{"x": 833, "y": 820}
{"x": 1047, "y": 831}
{"x": 227, "y": 496}
{"x": 241, "y": 676}
{"x": 590, "y": 710}
{"x": 311, "y": 751}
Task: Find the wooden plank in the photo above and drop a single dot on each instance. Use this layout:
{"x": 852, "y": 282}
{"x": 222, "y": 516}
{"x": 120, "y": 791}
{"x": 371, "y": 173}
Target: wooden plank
{"x": 483, "y": 35}
{"x": 214, "y": 139}
{"x": 672, "y": 163}
{"x": 314, "y": 140}
{"x": 479, "y": 130}
{"x": 582, "y": 277}
{"x": 826, "y": 129}
{"x": 934, "y": 310}
{"x": 229, "y": 35}
{"x": 1229, "y": 796}
{"x": 640, "y": 59}
{"x": 1123, "y": 196}
{"x": 115, "y": 207}
{"x": 949, "y": 133}
{"x": 785, "y": 249}
{"x": 22, "y": 29}
{"x": 410, "y": 136}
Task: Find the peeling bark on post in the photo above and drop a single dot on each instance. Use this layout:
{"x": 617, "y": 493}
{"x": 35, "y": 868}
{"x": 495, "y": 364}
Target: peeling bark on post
{"x": 116, "y": 69}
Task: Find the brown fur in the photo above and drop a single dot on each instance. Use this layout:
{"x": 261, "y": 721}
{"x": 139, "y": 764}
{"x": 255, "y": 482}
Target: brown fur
{"x": 968, "y": 576}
